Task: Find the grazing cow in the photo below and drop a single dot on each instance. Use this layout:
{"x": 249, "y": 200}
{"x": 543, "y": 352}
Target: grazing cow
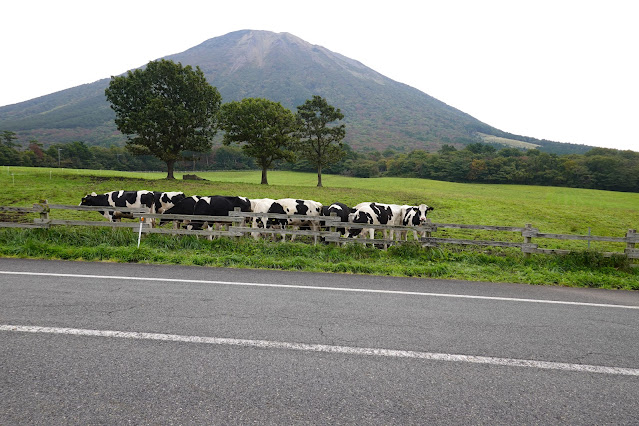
{"x": 372, "y": 214}
{"x": 292, "y": 206}
{"x": 120, "y": 199}
{"x": 186, "y": 206}
{"x": 166, "y": 200}
{"x": 414, "y": 216}
{"x": 341, "y": 210}
{"x": 376, "y": 214}
{"x": 218, "y": 205}
{"x": 260, "y": 205}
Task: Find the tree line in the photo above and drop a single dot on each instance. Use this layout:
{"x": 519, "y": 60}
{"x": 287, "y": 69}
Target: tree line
{"x": 599, "y": 168}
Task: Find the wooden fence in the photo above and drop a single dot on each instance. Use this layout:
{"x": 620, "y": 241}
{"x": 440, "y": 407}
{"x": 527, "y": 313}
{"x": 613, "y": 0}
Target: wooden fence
{"x": 237, "y": 226}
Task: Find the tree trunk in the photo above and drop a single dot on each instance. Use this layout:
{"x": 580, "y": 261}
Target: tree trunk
{"x": 319, "y": 176}
{"x": 169, "y": 168}
{"x": 264, "y": 180}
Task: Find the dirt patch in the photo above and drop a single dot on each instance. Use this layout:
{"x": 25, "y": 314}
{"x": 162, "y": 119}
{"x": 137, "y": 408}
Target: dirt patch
{"x": 192, "y": 177}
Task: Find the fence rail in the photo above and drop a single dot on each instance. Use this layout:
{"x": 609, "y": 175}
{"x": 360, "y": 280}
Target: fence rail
{"x": 236, "y": 226}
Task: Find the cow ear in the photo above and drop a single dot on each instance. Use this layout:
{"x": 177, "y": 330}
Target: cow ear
{"x": 431, "y": 208}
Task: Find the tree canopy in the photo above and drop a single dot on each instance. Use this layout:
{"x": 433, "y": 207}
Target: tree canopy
{"x": 165, "y": 109}
{"x": 320, "y": 143}
{"x": 7, "y": 138}
{"x": 266, "y": 129}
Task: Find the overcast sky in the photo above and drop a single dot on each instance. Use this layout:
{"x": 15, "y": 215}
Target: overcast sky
{"x": 561, "y": 70}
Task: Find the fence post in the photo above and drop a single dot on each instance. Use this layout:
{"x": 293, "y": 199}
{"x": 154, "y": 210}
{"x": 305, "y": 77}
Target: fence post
{"x": 631, "y": 233}
{"x": 44, "y": 212}
{"x": 333, "y": 227}
{"x": 427, "y": 234}
{"x": 235, "y": 224}
{"x": 629, "y": 245}
{"x": 527, "y": 237}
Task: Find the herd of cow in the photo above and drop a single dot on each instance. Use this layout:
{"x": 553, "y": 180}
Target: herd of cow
{"x": 177, "y": 203}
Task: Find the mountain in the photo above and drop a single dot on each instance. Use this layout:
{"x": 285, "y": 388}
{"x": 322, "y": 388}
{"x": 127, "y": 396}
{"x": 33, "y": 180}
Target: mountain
{"x": 379, "y": 112}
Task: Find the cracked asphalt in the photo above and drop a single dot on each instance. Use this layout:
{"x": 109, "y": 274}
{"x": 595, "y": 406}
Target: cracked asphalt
{"x": 66, "y": 379}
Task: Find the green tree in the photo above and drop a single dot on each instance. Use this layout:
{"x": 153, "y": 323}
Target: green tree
{"x": 8, "y": 139}
{"x": 320, "y": 143}
{"x": 446, "y": 149}
{"x": 266, "y": 128}
{"x": 9, "y": 156}
{"x": 165, "y": 109}
{"x": 232, "y": 158}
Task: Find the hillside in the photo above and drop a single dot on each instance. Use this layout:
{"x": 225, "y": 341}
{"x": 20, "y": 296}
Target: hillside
{"x": 379, "y": 112}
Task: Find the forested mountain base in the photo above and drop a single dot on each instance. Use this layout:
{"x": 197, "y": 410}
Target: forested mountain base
{"x": 599, "y": 168}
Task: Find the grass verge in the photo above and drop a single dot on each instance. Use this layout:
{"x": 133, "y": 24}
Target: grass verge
{"x": 579, "y": 269}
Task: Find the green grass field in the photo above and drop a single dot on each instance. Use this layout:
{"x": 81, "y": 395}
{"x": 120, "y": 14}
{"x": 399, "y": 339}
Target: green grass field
{"x": 550, "y": 209}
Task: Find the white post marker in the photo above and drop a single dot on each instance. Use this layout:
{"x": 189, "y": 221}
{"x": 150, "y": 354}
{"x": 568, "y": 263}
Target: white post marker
{"x": 140, "y": 232}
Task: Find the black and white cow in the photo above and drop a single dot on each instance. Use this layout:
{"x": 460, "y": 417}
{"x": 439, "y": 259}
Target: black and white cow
{"x": 166, "y": 200}
{"x": 371, "y": 214}
{"x": 184, "y": 207}
{"x": 218, "y": 205}
{"x": 376, "y": 214}
{"x": 341, "y": 211}
{"x": 292, "y": 206}
{"x": 260, "y": 205}
{"x": 260, "y": 201}
{"x": 414, "y": 216}
{"x": 134, "y": 199}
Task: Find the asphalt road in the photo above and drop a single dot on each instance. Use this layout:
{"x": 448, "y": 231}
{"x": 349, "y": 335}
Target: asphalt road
{"x": 85, "y": 343}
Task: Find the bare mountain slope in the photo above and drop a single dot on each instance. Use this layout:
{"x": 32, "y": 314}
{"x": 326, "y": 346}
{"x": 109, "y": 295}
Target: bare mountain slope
{"x": 379, "y": 112}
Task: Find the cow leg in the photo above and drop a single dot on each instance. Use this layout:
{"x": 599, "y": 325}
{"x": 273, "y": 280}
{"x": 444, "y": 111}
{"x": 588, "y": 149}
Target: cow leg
{"x": 315, "y": 227}
{"x": 189, "y": 227}
{"x": 387, "y": 235}
{"x": 254, "y": 225}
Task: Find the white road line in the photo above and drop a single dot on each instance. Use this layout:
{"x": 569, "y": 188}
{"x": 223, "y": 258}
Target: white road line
{"x": 305, "y": 287}
{"x": 347, "y": 350}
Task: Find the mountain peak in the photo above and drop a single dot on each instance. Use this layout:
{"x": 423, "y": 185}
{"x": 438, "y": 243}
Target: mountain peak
{"x": 255, "y": 46}
{"x": 379, "y": 112}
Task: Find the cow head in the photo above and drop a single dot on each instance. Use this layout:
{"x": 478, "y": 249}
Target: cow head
{"x": 244, "y": 204}
{"x": 422, "y": 211}
{"x": 357, "y": 216}
{"x": 89, "y": 200}
{"x": 416, "y": 215}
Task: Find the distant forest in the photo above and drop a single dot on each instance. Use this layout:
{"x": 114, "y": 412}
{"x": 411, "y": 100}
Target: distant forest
{"x": 599, "y": 168}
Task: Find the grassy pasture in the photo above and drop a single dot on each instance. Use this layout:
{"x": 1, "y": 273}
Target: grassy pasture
{"x": 507, "y": 142}
{"x": 550, "y": 209}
